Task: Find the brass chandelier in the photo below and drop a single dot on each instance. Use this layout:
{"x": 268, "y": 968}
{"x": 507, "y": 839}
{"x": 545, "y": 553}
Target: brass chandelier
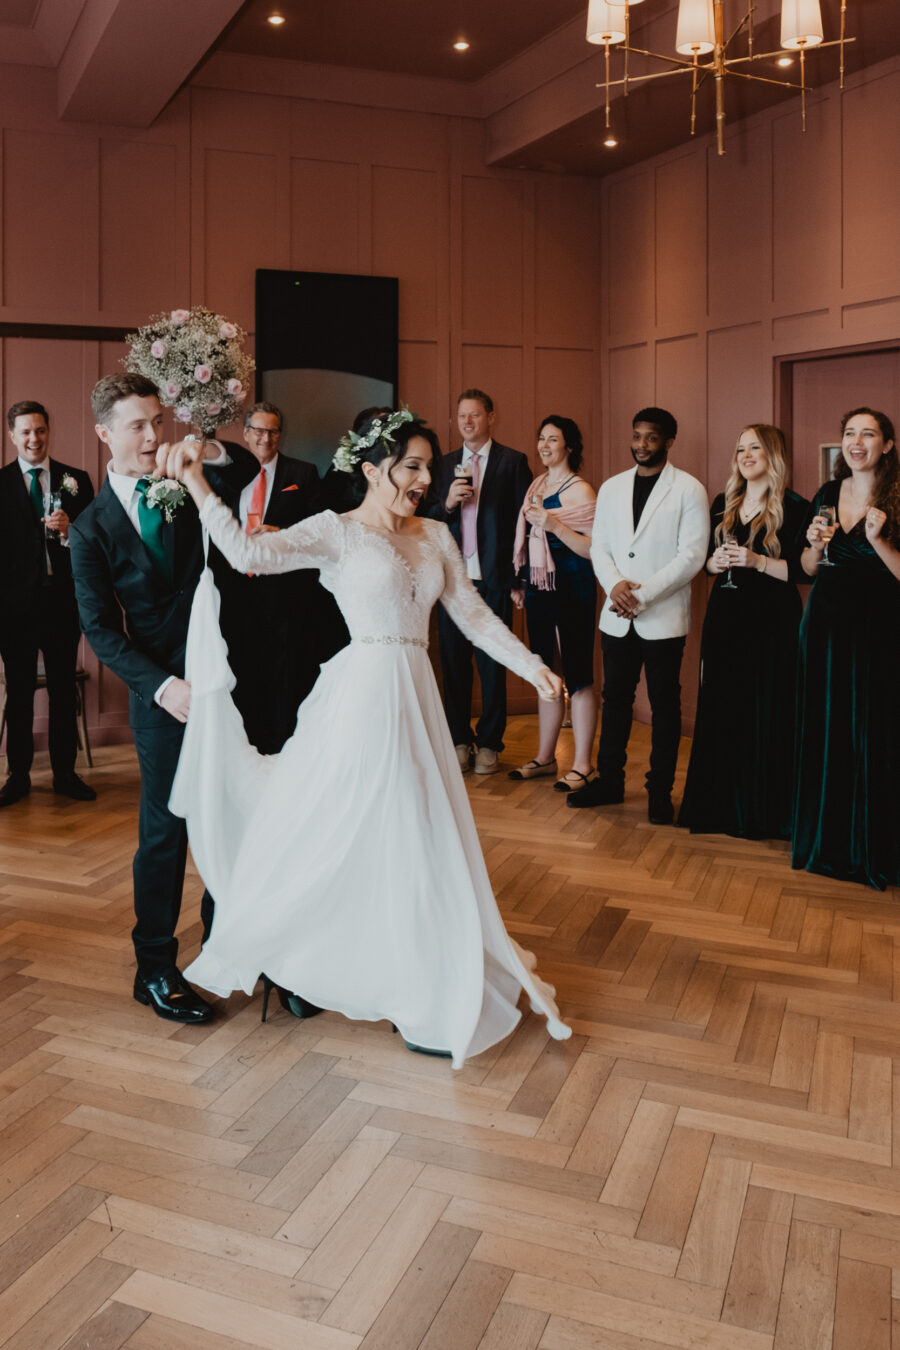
{"x": 700, "y": 32}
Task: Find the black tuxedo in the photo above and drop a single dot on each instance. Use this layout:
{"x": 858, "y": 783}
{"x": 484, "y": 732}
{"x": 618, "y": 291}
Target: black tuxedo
{"x": 505, "y": 480}
{"x": 279, "y": 629}
{"x": 38, "y": 613}
{"x": 136, "y": 621}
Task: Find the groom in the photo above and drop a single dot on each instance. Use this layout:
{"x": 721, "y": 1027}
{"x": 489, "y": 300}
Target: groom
{"x": 135, "y": 577}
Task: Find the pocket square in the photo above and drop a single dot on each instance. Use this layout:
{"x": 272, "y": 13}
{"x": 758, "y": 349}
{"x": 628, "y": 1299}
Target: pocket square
{"x": 291, "y": 487}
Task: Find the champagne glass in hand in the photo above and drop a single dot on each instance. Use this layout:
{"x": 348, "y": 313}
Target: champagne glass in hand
{"x": 52, "y": 503}
{"x": 828, "y": 515}
{"x": 729, "y": 541}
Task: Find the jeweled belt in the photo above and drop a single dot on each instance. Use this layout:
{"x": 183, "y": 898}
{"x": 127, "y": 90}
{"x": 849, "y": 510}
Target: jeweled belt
{"x": 390, "y": 640}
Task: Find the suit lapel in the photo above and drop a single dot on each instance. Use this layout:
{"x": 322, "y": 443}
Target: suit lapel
{"x": 270, "y": 516}
{"x": 658, "y": 495}
{"x": 118, "y": 526}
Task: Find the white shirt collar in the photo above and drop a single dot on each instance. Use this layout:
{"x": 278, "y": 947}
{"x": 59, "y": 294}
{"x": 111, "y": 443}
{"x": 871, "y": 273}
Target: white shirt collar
{"x": 26, "y": 467}
{"x": 483, "y": 450}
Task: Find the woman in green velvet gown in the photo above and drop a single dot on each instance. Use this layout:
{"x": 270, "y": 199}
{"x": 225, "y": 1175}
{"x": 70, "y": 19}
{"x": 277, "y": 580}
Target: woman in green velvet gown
{"x": 740, "y": 771}
{"x": 847, "y": 792}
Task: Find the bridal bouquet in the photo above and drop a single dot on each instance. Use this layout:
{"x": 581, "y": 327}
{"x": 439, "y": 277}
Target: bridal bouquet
{"x": 196, "y": 360}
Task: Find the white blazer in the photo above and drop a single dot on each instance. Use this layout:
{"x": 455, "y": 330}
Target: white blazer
{"x": 664, "y": 553}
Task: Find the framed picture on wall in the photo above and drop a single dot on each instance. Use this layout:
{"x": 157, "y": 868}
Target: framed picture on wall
{"x": 829, "y": 454}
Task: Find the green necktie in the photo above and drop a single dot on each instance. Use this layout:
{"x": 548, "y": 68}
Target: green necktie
{"x": 151, "y": 521}
{"x": 37, "y": 497}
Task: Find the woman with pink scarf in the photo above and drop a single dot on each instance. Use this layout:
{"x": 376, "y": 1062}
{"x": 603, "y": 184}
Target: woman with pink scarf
{"x": 552, "y": 554}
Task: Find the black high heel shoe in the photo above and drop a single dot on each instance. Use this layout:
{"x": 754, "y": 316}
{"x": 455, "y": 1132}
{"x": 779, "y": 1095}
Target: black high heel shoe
{"x": 423, "y": 1049}
{"x": 292, "y": 1003}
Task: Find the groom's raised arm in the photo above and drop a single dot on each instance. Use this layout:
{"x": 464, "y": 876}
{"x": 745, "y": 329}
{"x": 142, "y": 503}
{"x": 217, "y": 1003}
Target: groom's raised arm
{"x": 102, "y": 619}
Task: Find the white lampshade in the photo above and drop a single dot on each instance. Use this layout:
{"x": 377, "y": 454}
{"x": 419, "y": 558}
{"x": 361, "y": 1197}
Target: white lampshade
{"x": 696, "y": 31}
{"x": 801, "y": 24}
{"x": 605, "y": 22}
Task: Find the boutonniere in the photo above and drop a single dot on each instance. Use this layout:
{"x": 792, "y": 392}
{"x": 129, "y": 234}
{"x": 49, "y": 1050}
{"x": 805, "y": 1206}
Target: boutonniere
{"x": 166, "y": 494}
{"x": 69, "y": 484}
{"x": 291, "y": 487}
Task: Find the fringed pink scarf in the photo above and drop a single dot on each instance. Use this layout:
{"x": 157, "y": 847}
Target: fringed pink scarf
{"x": 541, "y": 568}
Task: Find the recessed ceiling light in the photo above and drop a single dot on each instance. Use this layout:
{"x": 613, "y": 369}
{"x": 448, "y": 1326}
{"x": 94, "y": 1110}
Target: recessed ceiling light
{"x": 610, "y": 142}
{"x": 461, "y": 45}
{"x": 276, "y": 20}
{"x": 785, "y": 61}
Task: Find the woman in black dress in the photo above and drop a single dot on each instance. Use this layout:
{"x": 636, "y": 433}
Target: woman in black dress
{"x": 739, "y": 776}
{"x": 847, "y": 795}
{"x": 553, "y": 548}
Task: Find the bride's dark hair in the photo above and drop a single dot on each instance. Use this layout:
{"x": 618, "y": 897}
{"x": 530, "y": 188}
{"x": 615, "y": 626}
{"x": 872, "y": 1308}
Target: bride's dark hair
{"x": 394, "y": 451}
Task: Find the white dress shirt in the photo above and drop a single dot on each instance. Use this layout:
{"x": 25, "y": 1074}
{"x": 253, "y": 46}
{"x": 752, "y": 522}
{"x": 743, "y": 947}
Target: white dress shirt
{"x": 247, "y": 493}
{"x": 44, "y": 484}
{"x": 473, "y": 566}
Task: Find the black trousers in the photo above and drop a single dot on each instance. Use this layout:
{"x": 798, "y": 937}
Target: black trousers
{"x": 623, "y": 658}
{"x": 51, "y": 627}
{"x": 456, "y": 667}
{"x": 159, "y": 863}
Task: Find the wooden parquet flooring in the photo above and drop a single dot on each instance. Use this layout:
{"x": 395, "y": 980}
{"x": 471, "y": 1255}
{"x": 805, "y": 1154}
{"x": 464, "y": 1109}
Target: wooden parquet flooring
{"x": 708, "y": 1162}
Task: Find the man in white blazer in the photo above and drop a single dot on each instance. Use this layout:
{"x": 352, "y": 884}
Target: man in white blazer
{"x": 649, "y": 541}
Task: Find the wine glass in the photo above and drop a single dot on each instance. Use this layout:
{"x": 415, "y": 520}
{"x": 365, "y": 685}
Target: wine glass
{"x": 829, "y": 515}
{"x": 729, "y": 541}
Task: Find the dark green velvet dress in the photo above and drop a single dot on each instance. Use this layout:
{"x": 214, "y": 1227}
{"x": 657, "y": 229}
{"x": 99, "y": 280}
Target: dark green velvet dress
{"x": 740, "y": 771}
{"x": 847, "y": 793}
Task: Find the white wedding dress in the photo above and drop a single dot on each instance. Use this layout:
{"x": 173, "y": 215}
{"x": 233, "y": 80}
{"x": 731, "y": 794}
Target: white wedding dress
{"x": 348, "y": 867}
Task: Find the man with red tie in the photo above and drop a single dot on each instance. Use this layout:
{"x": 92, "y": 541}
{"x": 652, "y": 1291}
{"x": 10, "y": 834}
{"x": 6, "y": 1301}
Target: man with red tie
{"x": 279, "y": 629}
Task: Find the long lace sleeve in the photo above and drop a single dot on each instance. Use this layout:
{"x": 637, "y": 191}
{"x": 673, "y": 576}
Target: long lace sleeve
{"x": 314, "y": 542}
{"x": 473, "y": 617}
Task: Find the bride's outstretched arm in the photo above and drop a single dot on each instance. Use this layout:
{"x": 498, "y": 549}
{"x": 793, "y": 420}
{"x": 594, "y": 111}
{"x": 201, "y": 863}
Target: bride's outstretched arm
{"x": 314, "y": 542}
{"x": 483, "y": 628}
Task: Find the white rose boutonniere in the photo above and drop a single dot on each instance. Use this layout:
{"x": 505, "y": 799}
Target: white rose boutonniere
{"x": 166, "y": 494}
{"x": 69, "y": 484}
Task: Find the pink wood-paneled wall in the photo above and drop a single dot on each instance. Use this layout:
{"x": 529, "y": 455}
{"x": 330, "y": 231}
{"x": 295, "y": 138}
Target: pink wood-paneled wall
{"x": 499, "y": 271}
{"x": 714, "y": 267}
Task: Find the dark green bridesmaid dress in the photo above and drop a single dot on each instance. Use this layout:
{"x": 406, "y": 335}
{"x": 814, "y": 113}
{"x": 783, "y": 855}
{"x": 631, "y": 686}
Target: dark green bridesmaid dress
{"x": 741, "y": 765}
{"x": 847, "y": 792}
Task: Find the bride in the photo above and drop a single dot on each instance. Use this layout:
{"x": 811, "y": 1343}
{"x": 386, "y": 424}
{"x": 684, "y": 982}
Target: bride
{"x": 348, "y": 867}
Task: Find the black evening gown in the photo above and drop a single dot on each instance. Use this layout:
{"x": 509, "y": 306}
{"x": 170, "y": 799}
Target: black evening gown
{"x": 847, "y": 790}
{"x": 741, "y": 765}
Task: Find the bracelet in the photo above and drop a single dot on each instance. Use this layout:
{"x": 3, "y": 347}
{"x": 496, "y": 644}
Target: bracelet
{"x": 765, "y": 564}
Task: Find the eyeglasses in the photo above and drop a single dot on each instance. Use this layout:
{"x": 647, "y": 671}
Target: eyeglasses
{"x": 263, "y": 433}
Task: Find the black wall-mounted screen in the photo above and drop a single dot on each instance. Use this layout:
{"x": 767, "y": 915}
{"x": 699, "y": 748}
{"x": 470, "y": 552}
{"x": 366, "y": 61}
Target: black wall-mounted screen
{"x": 326, "y": 347}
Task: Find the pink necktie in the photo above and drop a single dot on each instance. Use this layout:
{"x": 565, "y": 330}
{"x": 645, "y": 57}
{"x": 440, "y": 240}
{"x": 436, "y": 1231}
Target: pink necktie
{"x": 257, "y": 503}
{"x": 469, "y": 510}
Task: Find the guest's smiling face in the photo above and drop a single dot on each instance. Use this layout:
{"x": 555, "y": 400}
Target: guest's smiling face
{"x": 648, "y": 448}
{"x": 551, "y": 447}
{"x": 474, "y": 422}
{"x": 31, "y": 437}
{"x": 262, "y": 435}
{"x": 752, "y": 460}
{"x": 401, "y": 490}
{"x": 863, "y": 444}
{"x": 133, "y": 435}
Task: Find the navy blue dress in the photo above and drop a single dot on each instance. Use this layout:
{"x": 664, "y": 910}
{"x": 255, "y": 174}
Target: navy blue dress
{"x": 569, "y": 611}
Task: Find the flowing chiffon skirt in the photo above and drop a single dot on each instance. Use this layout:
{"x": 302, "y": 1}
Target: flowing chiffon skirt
{"x": 348, "y": 867}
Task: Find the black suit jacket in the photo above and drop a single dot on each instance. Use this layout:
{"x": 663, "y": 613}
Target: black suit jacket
{"x": 22, "y": 538}
{"x": 500, "y": 495}
{"x": 135, "y": 620}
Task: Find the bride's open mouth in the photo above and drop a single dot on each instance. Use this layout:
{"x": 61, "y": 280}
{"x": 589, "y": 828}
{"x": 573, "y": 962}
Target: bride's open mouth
{"x": 415, "y": 495}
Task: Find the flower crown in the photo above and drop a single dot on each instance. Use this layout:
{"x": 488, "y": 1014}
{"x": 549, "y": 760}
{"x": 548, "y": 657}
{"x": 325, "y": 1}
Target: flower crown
{"x": 352, "y": 447}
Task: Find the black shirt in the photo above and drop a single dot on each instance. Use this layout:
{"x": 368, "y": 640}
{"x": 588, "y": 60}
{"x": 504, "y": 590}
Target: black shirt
{"x": 643, "y": 486}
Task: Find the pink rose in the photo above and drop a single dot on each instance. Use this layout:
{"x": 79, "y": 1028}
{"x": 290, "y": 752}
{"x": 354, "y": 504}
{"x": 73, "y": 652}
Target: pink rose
{"x": 171, "y": 389}
{"x": 159, "y": 349}
{"x": 180, "y": 316}
{"x": 202, "y": 374}
{"x": 184, "y": 414}
{"x": 213, "y": 409}
{"x": 227, "y": 330}
{"x": 235, "y": 388}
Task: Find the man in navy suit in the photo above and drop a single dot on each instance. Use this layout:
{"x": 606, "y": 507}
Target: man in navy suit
{"x": 279, "y": 629}
{"x": 37, "y": 601}
{"x": 135, "y": 576}
{"x": 481, "y": 513}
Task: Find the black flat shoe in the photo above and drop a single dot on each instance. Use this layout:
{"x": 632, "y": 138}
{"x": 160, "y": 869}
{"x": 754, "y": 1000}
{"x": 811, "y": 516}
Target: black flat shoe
{"x": 70, "y": 785}
{"x": 170, "y": 996}
{"x": 292, "y": 1003}
{"x": 17, "y": 786}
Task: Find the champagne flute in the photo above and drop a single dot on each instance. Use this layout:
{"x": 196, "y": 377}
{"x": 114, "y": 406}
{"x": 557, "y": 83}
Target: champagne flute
{"x": 829, "y": 515}
{"x": 729, "y": 541}
{"x": 52, "y": 502}
{"x": 254, "y": 520}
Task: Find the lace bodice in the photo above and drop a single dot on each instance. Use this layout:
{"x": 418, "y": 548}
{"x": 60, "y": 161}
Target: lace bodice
{"x": 382, "y": 597}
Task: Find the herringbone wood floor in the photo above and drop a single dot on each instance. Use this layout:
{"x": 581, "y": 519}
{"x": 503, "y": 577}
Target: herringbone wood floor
{"x": 709, "y": 1162}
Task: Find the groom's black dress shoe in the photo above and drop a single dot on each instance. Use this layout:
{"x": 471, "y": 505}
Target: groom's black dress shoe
{"x": 292, "y": 1003}
{"x": 17, "y": 786}
{"x": 597, "y": 793}
{"x": 170, "y": 996}
{"x": 70, "y": 785}
{"x": 660, "y": 810}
